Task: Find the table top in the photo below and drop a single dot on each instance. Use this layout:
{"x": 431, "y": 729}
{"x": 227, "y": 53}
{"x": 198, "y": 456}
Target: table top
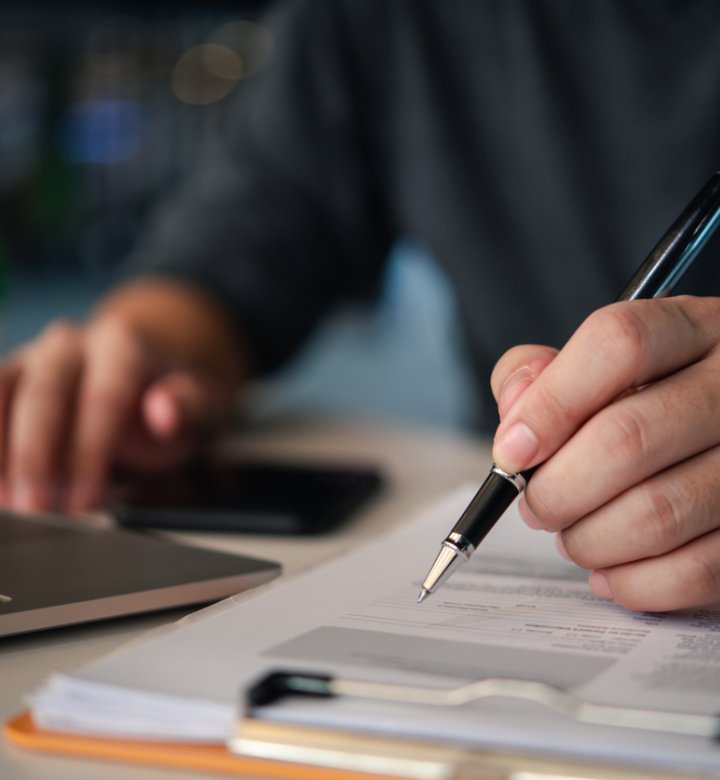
{"x": 418, "y": 465}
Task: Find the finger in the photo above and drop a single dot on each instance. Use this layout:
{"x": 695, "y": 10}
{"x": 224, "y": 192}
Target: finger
{"x": 9, "y": 375}
{"x": 38, "y": 418}
{"x": 653, "y": 518}
{"x": 622, "y": 346}
{"x": 115, "y": 373}
{"x": 182, "y": 404}
{"x": 516, "y": 370}
{"x": 528, "y": 516}
{"x": 686, "y": 577}
{"x": 178, "y": 411}
{"x": 628, "y": 442}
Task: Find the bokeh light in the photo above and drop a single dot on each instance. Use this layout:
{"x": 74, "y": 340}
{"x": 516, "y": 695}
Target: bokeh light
{"x": 206, "y": 73}
{"x": 105, "y": 132}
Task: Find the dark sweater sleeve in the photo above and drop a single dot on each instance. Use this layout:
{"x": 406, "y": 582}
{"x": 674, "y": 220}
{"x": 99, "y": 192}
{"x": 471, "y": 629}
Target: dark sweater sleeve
{"x": 284, "y": 219}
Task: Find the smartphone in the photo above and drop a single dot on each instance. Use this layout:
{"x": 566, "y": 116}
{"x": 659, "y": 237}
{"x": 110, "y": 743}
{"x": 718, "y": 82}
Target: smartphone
{"x": 246, "y": 497}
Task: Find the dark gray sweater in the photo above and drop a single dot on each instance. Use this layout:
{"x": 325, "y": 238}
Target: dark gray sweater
{"x": 538, "y": 148}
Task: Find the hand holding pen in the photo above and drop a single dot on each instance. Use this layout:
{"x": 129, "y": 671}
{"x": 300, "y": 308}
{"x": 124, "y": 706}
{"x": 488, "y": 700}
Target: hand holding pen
{"x": 620, "y": 431}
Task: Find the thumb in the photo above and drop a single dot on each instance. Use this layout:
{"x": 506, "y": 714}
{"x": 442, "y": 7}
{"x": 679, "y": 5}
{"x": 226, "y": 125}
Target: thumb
{"x": 181, "y": 403}
{"x": 516, "y": 370}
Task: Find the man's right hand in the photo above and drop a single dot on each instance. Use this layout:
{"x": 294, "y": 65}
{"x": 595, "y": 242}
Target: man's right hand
{"x": 127, "y": 389}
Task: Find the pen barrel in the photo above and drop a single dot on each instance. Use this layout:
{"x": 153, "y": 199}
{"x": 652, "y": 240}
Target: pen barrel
{"x": 488, "y": 505}
{"x": 670, "y": 258}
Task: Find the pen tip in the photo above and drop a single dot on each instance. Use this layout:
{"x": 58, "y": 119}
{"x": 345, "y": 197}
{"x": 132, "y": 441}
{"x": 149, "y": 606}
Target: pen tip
{"x": 423, "y": 595}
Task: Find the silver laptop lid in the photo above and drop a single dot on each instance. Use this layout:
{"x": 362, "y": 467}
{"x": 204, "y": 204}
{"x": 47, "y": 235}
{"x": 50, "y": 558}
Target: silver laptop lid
{"x": 55, "y": 572}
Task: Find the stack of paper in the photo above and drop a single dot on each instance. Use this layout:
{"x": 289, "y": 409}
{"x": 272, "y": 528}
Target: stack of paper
{"x": 516, "y": 610}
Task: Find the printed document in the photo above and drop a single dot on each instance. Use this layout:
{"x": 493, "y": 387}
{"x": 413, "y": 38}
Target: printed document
{"x": 517, "y": 609}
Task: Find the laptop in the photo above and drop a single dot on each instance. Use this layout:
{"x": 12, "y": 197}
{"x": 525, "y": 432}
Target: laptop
{"x": 56, "y": 572}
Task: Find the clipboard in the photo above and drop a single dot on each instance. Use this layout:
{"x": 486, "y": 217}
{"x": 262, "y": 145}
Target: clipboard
{"x": 265, "y": 748}
{"x": 337, "y": 757}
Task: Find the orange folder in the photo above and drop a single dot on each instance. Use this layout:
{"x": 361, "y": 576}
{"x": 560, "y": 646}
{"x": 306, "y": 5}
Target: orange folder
{"x": 456, "y": 761}
{"x": 22, "y": 731}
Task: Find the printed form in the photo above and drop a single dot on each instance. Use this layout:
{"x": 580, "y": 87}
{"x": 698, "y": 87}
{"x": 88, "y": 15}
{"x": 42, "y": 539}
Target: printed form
{"x": 517, "y": 610}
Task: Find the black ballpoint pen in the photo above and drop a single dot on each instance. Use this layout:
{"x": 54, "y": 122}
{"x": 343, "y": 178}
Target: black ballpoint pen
{"x": 656, "y": 277}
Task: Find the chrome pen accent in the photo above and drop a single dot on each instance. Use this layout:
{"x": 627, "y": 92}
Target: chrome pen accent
{"x": 454, "y": 551}
{"x": 518, "y": 480}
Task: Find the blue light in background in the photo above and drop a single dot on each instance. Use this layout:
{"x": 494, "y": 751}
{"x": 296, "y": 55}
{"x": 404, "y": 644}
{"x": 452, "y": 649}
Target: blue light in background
{"x": 102, "y": 131}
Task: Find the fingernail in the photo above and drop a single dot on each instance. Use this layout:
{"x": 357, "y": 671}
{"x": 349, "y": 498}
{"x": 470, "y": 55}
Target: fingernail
{"x": 512, "y": 388}
{"x": 600, "y": 585}
{"x": 516, "y": 447}
{"x": 163, "y": 415}
{"x": 561, "y": 547}
{"x": 528, "y": 516}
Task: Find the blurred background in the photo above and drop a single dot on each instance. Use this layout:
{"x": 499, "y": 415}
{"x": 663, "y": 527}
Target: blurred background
{"x": 102, "y": 111}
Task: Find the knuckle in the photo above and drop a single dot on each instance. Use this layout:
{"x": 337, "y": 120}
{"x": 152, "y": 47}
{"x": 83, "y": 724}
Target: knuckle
{"x": 59, "y": 335}
{"x": 580, "y": 554}
{"x": 621, "y": 333}
{"x": 627, "y": 434}
{"x": 703, "y": 577}
{"x": 662, "y": 521}
{"x": 117, "y": 363}
{"x": 693, "y": 313}
{"x": 550, "y": 414}
{"x": 540, "y": 508}
{"x": 120, "y": 338}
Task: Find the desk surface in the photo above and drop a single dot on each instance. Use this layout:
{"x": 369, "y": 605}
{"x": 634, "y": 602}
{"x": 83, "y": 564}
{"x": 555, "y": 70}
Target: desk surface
{"x": 418, "y": 465}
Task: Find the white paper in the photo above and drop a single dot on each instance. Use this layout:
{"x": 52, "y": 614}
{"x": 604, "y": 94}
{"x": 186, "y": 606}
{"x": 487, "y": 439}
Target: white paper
{"x": 515, "y": 610}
